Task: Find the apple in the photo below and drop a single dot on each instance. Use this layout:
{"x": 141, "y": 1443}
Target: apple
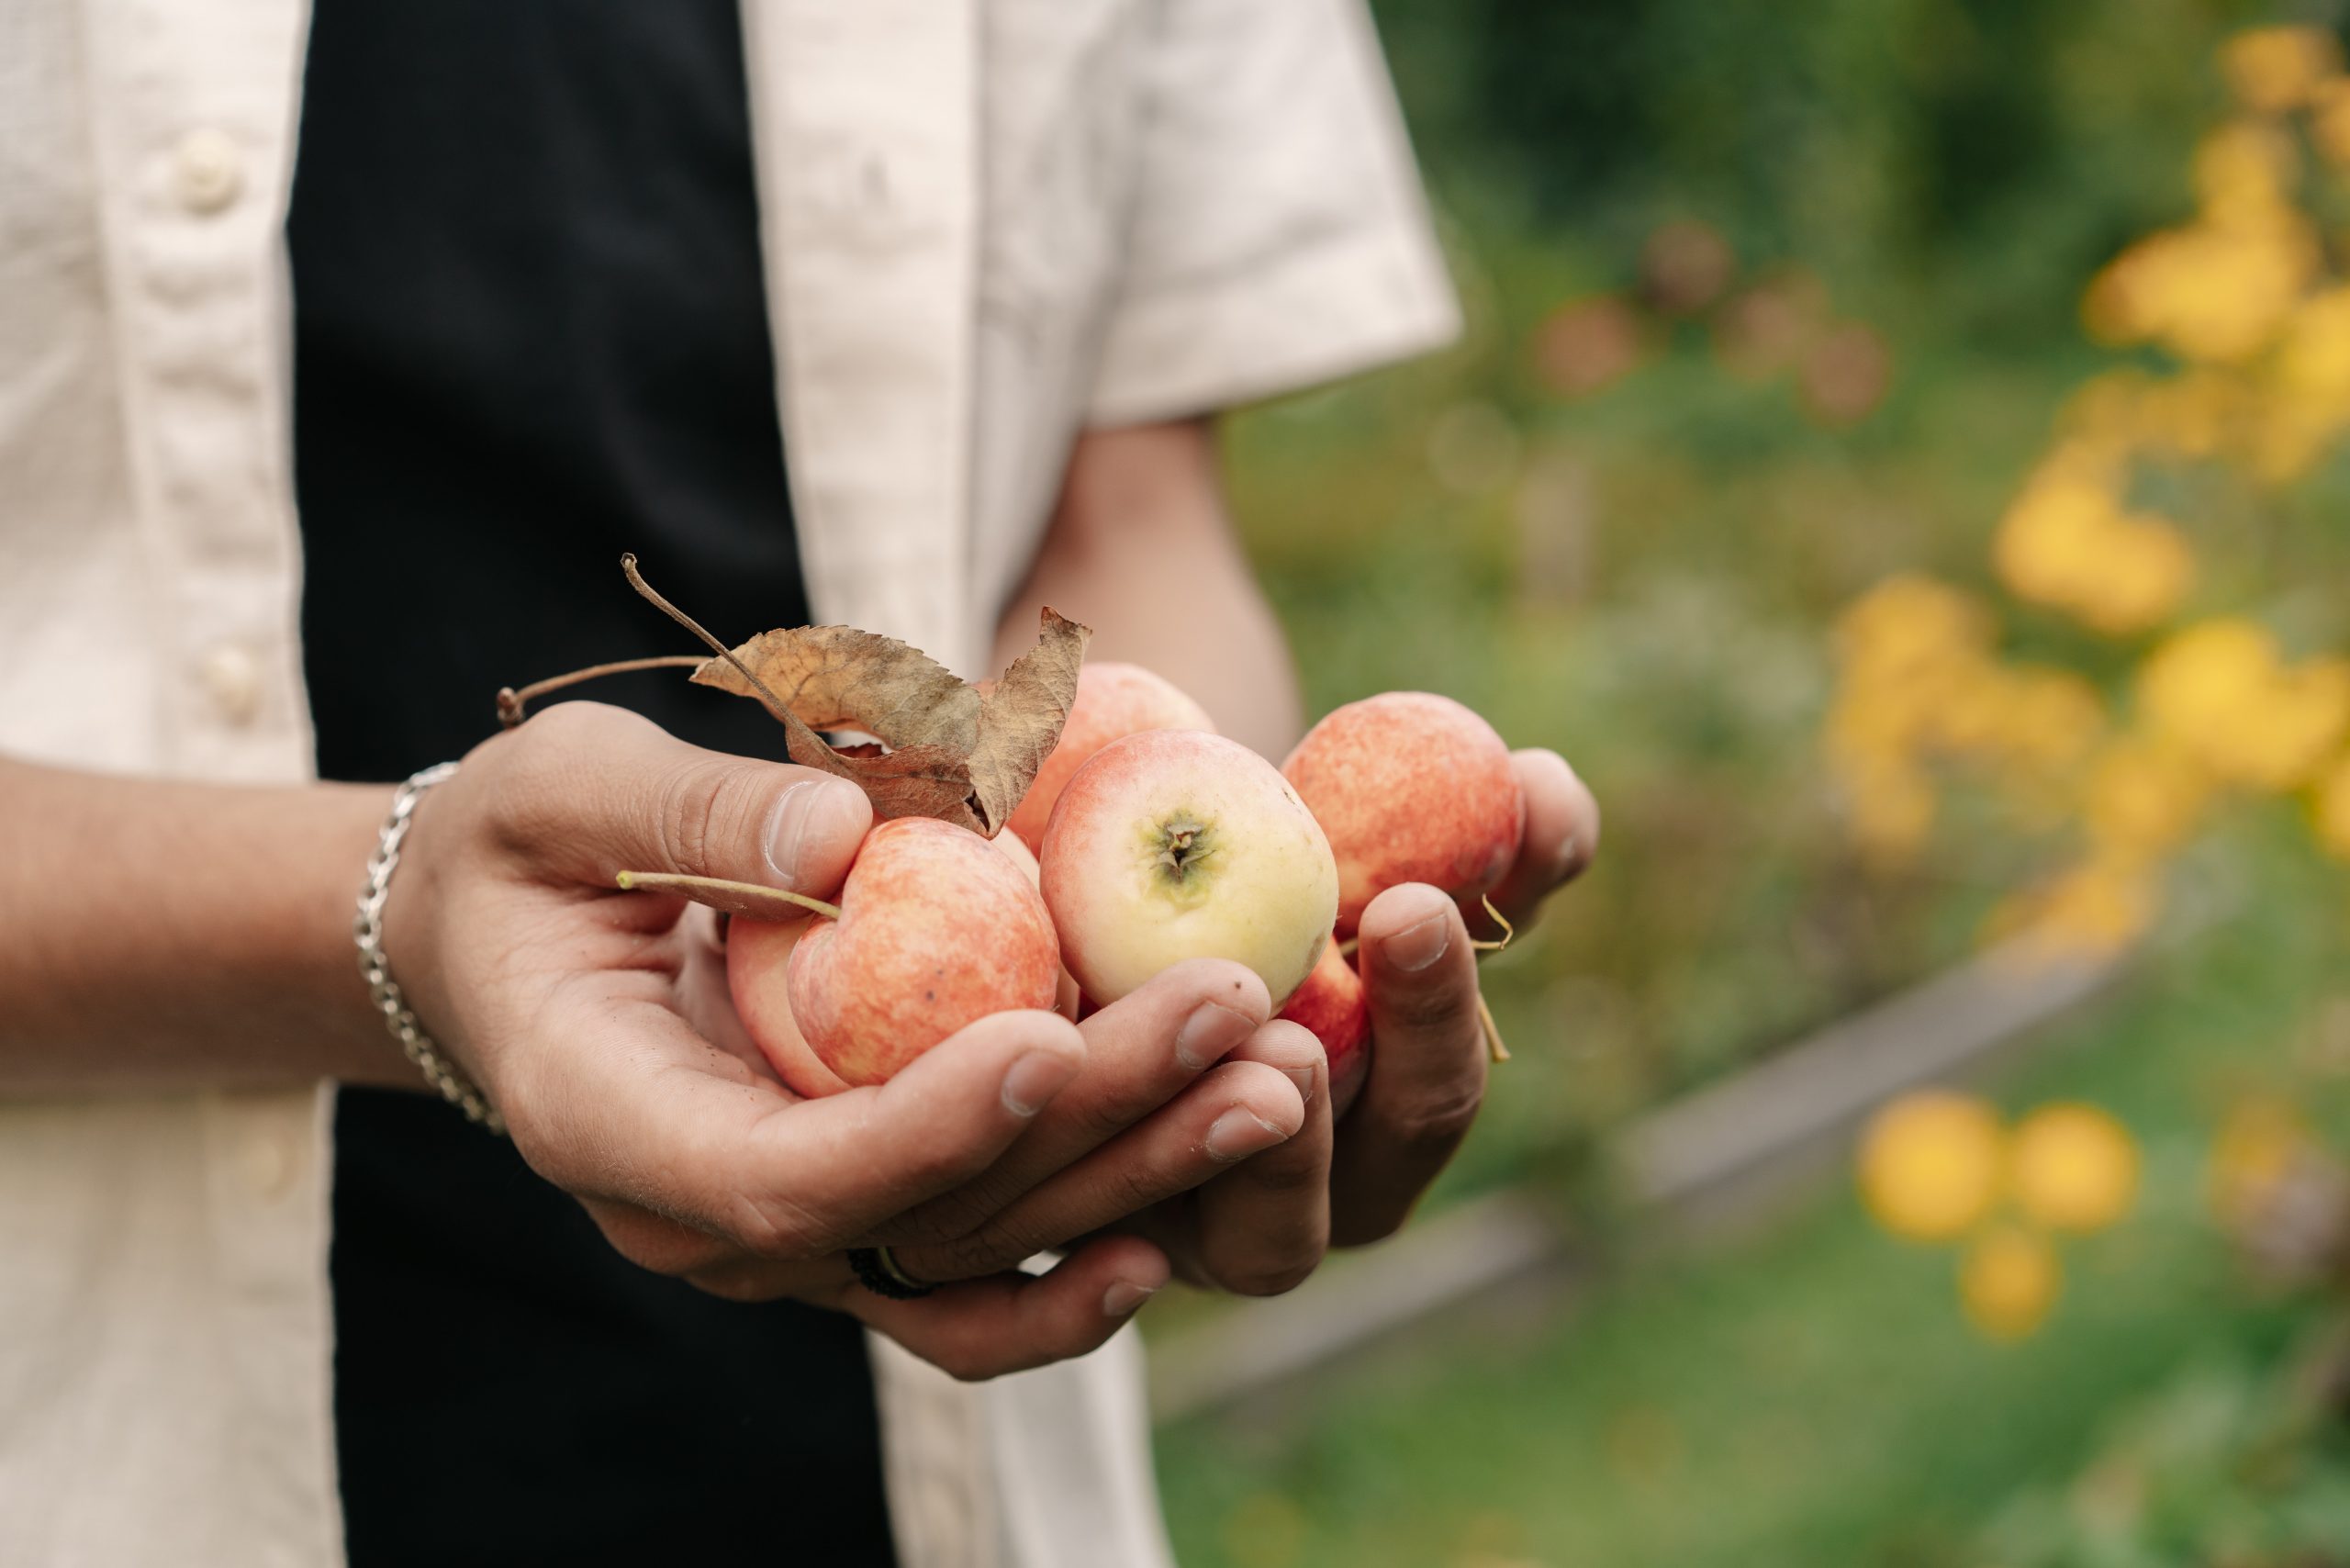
{"x": 1410, "y": 787}
{"x": 1113, "y": 700}
{"x": 1176, "y": 844}
{"x": 939, "y": 928}
{"x": 1332, "y": 1004}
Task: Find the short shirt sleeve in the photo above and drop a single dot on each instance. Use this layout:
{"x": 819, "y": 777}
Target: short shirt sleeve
{"x": 1280, "y": 237}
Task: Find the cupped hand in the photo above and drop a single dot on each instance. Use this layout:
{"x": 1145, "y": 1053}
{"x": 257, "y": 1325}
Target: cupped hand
{"x": 1252, "y": 1206}
{"x": 596, "y": 1022}
{"x": 1263, "y": 1227}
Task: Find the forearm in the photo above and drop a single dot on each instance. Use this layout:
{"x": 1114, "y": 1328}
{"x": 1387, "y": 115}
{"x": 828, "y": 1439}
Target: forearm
{"x": 159, "y": 935}
{"x": 1141, "y": 549}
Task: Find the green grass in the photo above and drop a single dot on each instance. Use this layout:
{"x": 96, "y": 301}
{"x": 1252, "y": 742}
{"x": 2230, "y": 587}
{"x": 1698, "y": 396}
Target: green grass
{"x": 1810, "y": 1397}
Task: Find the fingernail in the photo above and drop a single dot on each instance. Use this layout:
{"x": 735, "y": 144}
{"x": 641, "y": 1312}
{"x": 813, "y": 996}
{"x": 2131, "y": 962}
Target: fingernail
{"x": 1570, "y": 860}
{"x": 1304, "y": 1078}
{"x": 1211, "y": 1030}
{"x": 1121, "y": 1299}
{"x": 1416, "y": 946}
{"x": 1033, "y": 1079}
{"x": 809, "y": 819}
{"x": 1237, "y": 1134}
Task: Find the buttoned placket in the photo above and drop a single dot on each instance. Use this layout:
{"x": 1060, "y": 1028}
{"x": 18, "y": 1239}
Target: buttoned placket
{"x": 196, "y": 154}
{"x": 193, "y": 148}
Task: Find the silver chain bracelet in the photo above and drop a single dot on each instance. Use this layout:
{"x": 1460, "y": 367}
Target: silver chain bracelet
{"x": 367, "y": 930}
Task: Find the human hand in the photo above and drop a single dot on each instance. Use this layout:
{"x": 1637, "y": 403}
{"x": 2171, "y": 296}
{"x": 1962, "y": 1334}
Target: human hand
{"x": 1263, "y": 1227}
{"x": 597, "y": 1021}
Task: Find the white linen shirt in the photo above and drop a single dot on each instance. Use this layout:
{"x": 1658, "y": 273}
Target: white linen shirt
{"x": 988, "y": 224}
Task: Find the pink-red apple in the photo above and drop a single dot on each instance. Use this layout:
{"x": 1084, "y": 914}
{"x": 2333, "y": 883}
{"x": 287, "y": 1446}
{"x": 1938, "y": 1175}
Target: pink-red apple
{"x": 1410, "y": 787}
{"x": 939, "y": 928}
{"x": 1332, "y": 1004}
{"x": 1175, "y": 844}
{"x": 1113, "y": 700}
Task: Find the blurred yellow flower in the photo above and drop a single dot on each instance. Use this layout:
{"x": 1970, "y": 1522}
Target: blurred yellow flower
{"x": 2314, "y": 362}
{"x": 2275, "y": 69}
{"x": 2219, "y": 689}
{"x": 2008, "y": 1282}
{"x": 2310, "y": 404}
{"x": 1928, "y": 1164}
{"x": 2216, "y": 290}
{"x": 2066, "y": 543}
{"x": 2245, "y": 299}
{"x": 2192, "y": 683}
{"x": 1909, "y": 621}
{"x": 2072, "y": 1166}
{"x": 2332, "y": 807}
{"x": 2148, "y": 571}
{"x": 1911, "y": 650}
{"x": 2244, "y": 173}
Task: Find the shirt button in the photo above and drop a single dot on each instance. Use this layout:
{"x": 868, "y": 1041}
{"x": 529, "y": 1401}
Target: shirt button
{"x": 269, "y": 1164}
{"x": 208, "y": 169}
{"x": 231, "y": 678}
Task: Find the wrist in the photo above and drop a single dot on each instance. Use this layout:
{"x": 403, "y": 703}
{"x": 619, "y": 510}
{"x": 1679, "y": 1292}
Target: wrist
{"x": 163, "y": 935}
{"x": 385, "y": 992}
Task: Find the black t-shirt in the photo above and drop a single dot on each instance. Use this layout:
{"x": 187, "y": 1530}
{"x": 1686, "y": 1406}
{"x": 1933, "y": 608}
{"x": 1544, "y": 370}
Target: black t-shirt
{"x": 530, "y": 333}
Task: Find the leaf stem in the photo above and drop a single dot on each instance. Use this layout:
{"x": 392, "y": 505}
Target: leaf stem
{"x": 735, "y": 898}
{"x": 513, "y": 705}
{"x": 636, "y": 580}
{"x": 1494, "y": 1050}
{"x": 1508, "y": 931}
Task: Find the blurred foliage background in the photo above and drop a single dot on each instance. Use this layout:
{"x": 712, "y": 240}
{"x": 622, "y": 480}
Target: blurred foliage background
{"x": 1777, "y": 320}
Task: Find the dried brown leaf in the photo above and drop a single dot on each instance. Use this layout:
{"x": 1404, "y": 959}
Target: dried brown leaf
{"x": 837, "y": 677}
{"x": 952, "y": 753}
{"x": 1020, "y": 717}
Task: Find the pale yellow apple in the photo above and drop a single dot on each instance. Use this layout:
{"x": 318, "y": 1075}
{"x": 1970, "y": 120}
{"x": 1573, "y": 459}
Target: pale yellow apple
{"x": 1175, "y": 844}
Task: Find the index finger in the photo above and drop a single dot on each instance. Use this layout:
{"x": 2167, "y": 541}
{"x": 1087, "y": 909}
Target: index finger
{"x": 1427, "y": 1062}
{"x": 641, "y": 1109}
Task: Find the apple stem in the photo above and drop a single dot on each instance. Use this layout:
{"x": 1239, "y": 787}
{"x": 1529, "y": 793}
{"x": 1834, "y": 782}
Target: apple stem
{"x": 775, "y": 704}
{"x": 1494, "y": 1046}
{"x": 735, "y": 898}
{"x": 1508, "y": 931}
{"x": 513, "y": 706}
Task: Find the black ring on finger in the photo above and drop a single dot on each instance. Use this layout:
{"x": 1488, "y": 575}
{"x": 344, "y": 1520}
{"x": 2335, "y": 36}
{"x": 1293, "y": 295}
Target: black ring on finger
{"x": 878, "y": 1271}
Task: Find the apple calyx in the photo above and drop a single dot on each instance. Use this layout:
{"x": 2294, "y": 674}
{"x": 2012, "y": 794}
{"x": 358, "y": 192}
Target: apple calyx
{"x": 1182, "y": 844}
{"x": 733, "y": 898}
